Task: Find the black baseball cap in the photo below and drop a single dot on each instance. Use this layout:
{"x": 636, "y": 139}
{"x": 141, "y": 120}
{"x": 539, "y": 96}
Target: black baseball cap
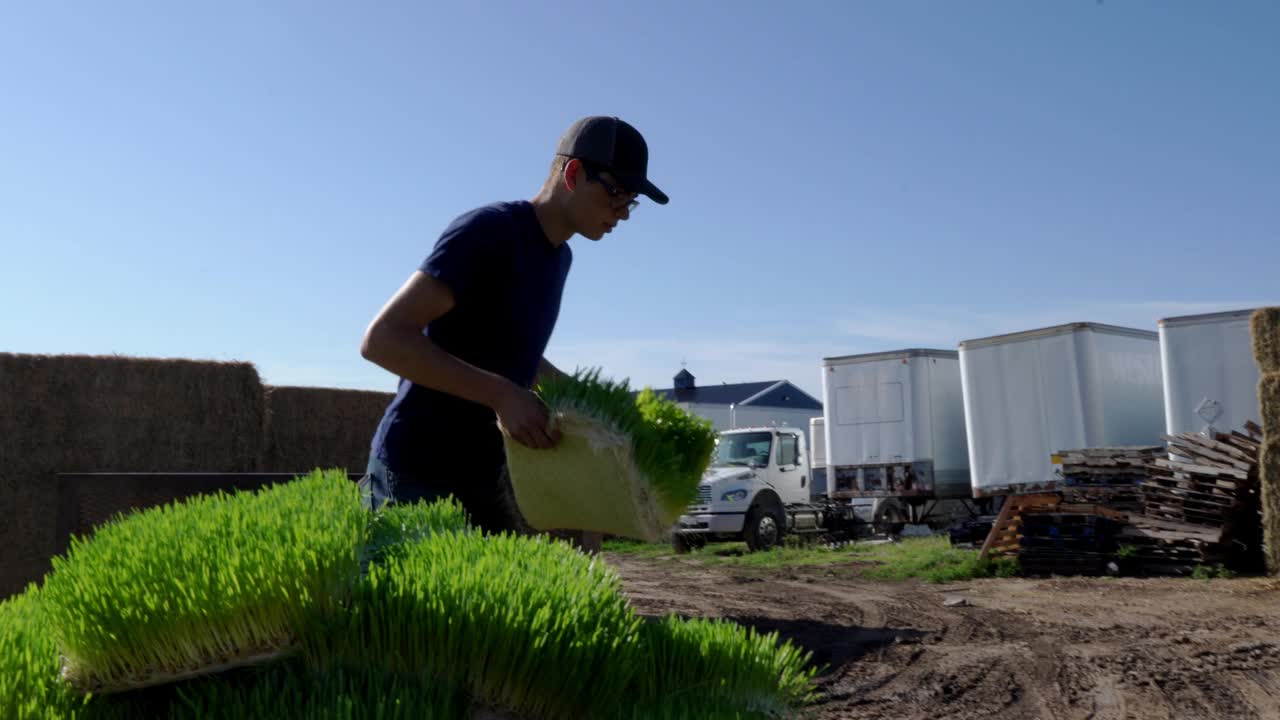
{"x": 615, "y": 146}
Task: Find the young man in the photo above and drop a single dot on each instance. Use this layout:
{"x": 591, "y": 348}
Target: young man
{"x": 467, "y": 331}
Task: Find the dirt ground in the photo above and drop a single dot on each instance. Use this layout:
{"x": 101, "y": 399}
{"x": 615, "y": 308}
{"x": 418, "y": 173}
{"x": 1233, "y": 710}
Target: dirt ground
{"x": 1015, "y": 648}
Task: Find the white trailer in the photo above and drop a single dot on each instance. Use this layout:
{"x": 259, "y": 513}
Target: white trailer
{"x": 1031, "y": 394}
{"x": 1210, "y": 376}
{"x": 895, "y": 425}
{"x": 895, "y": 431}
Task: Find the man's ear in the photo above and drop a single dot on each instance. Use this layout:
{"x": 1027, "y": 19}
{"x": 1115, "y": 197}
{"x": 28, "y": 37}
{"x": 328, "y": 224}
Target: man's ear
{"x": 571, "y": 170}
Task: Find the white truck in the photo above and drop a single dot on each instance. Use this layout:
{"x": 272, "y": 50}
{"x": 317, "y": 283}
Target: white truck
{"x": 759, "y": 489}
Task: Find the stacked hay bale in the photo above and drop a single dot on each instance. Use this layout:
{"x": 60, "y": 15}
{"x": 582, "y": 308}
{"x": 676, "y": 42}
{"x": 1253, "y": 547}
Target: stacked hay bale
{"x": 77, "y": 413}
{"x": 312, "y": 427}
{"x": 1266, "y": 350}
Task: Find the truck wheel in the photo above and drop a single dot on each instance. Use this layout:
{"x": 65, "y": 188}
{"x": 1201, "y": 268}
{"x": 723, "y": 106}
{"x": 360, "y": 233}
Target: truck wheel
{"x": 763, "y": 531}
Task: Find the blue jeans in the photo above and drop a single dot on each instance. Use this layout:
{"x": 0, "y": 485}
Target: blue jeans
{"x": 484, "y": 492}
{"x": 381, "y": 486}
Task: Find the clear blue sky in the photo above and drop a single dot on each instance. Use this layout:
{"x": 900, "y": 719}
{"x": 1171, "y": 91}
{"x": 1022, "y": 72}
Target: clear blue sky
{"x": 251, "y": 181}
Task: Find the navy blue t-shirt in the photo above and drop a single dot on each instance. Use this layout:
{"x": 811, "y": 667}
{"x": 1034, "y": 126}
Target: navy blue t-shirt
{"x": 507, "y": 280}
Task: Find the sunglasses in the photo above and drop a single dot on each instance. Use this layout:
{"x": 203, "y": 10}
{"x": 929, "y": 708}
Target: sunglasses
{"x": 617, "y": 196}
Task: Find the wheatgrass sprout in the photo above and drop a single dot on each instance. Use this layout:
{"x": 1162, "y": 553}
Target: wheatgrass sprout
{"x": 688, "y": 707}
{"x": 396, "y": 525}
{"x": 524, "y": 624}
{"x": 289, "y": 691}
{"x": 626, "y": 465}
{"x": 719, "y": 661}
{"x": 29, "y": 684}
{"x": 205, "y": 584}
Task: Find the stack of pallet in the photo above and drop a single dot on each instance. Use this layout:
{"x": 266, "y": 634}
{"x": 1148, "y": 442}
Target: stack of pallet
{"x": 1050, "y": 536}
{"x": 1147, "y": 546}
{"x": 1265, "y": 326}
{"x": 1067, "y": 540}
{"x": 1106, "y": 476}
{"x": 1193, "y": 502}
{"x": 1209, "y": 482}
{"x": 1199, "y": 506}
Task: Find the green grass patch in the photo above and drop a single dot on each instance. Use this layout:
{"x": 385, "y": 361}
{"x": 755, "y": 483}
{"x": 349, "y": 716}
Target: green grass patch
{"x": 1209, "y": 572}
{"x": 929, "y": 558}
{"x": 735, "y": 554}
{"x": 791, "y": 555}
{"x": 934, "y": 560}
{"x": 637, "y": 548}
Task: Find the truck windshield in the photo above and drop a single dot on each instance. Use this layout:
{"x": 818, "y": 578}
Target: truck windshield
{"x": 743, "y": 449}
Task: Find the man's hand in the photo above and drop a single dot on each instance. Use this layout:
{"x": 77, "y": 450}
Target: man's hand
{"x": 526, "y": 419}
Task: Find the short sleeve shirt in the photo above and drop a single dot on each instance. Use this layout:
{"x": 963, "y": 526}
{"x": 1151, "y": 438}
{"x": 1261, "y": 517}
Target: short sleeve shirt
{"x": 507, "y": 281}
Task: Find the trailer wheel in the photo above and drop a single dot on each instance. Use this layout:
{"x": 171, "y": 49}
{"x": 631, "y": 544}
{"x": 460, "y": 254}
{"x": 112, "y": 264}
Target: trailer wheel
{"x": 890, "y": 518}
{"x": 686, "y": 543}
{"x": 763, "y": 530}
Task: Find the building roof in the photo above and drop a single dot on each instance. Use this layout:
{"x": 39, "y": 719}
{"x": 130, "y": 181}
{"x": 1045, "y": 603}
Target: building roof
{"x": 770, "y": 393}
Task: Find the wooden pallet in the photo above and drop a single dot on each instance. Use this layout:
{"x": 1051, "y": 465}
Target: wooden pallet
{"x": 1003, "y": 538}
{"x": 1124, "y": 498}
{"x": 1211, "y": 482}
{"x": 1036, "y": 561}
{"x": 1106, "y": 467}
{"x": 1191, "y": 502}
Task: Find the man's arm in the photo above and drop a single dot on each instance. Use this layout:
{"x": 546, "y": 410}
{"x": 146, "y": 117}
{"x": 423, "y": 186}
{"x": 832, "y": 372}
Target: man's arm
{"x": 394, "y": 341}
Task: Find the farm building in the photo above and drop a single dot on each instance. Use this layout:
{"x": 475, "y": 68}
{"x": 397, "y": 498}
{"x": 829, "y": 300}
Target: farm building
{"x": 731, "y": 405}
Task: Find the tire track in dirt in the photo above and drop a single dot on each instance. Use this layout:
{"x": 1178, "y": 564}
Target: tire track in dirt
{"x": 1067, "y": 649}
{"x": 870, "y": 614}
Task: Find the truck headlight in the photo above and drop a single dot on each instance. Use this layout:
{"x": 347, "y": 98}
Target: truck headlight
{"x": 734, "y": 496}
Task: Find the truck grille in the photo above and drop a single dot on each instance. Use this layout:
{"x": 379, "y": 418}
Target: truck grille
{"x": 704, "y": 495}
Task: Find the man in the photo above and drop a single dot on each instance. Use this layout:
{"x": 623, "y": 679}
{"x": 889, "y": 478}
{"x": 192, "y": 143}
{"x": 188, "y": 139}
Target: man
{"x": 466, "y": 333}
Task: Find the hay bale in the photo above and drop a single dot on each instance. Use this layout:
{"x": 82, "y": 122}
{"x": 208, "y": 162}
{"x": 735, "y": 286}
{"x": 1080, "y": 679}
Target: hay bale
{"x": 1269, "y": 461}
{"x": 78, "y": 413}
{"x": 1269, "y": 404}
{"x": 310, "y": 428}
{"x": 1265, "y": 325}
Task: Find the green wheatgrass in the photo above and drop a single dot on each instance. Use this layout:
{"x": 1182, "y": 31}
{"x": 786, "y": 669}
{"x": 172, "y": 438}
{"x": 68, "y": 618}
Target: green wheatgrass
{"x": 671, "y": 447}
{"x": 29, "y": 684}
{"x": 395, "y": 526}
{"x": 719, "y": 661}
{"x": 445, "y": 618}
{"x": 204, "y": 583}
{"x": 289, "y": 691}
{"x": 525, "y": 624}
